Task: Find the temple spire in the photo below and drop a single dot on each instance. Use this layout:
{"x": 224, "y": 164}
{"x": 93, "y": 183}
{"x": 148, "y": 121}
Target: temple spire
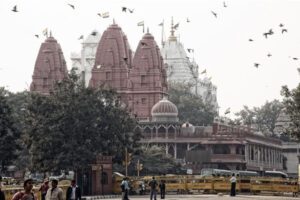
{"x": 172, "y": 36}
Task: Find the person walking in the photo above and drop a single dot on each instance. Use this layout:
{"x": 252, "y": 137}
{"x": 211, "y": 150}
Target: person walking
{"x": 27, "y": 194}
{"x": 54, "y": 193}
{"x": 44, "y": 188}
{"x": 73, "y": 192}
{"x": 153, "y": 185}
{"x": 162, "y": 187}
{"x": 125, "y": 188}
{"x": 233, "y": 185}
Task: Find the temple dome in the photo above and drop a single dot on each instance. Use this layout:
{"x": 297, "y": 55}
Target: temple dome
{"x": 164, "y": 108}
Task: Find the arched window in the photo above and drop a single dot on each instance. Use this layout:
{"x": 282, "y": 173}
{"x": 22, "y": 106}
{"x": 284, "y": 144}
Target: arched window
{"x": 161, "y": 132}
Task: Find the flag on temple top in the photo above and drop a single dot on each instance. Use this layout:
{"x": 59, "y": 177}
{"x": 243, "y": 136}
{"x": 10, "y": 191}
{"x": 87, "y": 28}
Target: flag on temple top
{"x": 45, "y": 32}
{"x": 105, "y": 15}
{"x": 140, "y": 23}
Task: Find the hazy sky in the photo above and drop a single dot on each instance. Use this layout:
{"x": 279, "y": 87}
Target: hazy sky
{"x": 221, "y": 44}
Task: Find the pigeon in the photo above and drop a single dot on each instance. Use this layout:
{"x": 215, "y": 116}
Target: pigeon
{"x": 176, "y": 26}
{"x": 269, "y": 55}
{"x": 94, "y": 33}
{"x": 143, "y": 44}
{"x": 227, "y": 111}
{"x": 72, "y": 6}
{"x": 284, "y": 30}
{"x": 215, "y": 14}
{"x": 15, "y": 9}
{"x": 271, "y": 32}
{"x": 295, "y": 58}
{"x": 99, "y": 14}
{"x": 81, "y": 37}
{"x": 203, "y": 72}
{"x": 187, "y": 20}
{"x": 37, "y": 36}
{"x": 224, "y": 4}
{"x": 124, "y": 9}
{"x": 266, "y": 35}
{"x": 281, "y": 25}
{"x": 130, "y": 10}
{"x": 250, "y": 40}
{"x": 125, "y": 59}
{"x": 256, "y": 65}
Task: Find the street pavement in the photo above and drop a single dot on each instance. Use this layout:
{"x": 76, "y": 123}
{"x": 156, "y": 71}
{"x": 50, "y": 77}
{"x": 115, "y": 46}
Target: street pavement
{"x": 212, "y": 197}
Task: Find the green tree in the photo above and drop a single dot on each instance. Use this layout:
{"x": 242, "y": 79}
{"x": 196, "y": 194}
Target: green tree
{"x": 291, "y": 102}
{"x": 8, "y": 132}
{"x": 190, "y": 106}
{"x": 264, "y": 117}
{"x": 69, "y": 127}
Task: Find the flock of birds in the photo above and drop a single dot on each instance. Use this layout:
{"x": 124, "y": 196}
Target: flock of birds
{"x": 266, "y": 34}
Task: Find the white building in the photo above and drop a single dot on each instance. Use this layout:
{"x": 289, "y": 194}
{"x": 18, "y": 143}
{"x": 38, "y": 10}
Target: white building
{"x": 181, "y": 69}
{"x": 84, "y": 61}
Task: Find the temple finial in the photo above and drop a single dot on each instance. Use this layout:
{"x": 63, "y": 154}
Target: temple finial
{"x": 50, "y": 34}
{"x": 114, "y": 21}
{"x": 147, "y": 29}
{"x": 172, "y": 27}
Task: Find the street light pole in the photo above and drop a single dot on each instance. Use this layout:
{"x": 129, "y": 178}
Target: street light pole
{"x": 126, "y": 162}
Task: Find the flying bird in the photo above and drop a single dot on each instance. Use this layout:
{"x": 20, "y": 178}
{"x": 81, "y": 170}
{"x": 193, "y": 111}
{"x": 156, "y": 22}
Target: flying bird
{"x": 81, "y": 37}
{"x": 37, "y": 36}
{"x": 227, "y": 111}
{"x": 224, "y": 4}
{"x": 295, "y": 58}
{"x": 72, "y": 6}
{"x": 256, "y": 65}
{"x": 269, "y": 55}
{"x": 215, "y": 14}
{"x": 176, "y": 26}
{"x": 281, "y": 25}
{"x": 284, "y": 30}
{"x": 250, "y": 40}
{"x": 203, "y": 72}
{"x": 15, "y": 9}
{"x": 99, "y": 14}
{"x": 94, "y": 33}
{"x": 124, "y": 9}
{"x": 187, "y": 20}
{"x": 130, "y": 10}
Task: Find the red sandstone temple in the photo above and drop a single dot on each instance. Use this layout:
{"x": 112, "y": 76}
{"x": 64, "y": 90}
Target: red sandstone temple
{"x": 50, "y": 67}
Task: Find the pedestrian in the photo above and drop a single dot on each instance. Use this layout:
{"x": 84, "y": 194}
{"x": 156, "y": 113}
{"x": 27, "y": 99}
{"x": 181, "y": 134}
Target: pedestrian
{"x": 54, "y": 193}
{"x": 162, "y": 187}
{"x": 233, "y": 184}
{"x": 44, "y": 188}
{"x": 153, "y": 185}
{"x": 27, "y": 194}
{"x": 73, "y": 192}
{"x": 2, "y": 195}
{"x": 142, "y": 188}
{"x": 125, "y": 188}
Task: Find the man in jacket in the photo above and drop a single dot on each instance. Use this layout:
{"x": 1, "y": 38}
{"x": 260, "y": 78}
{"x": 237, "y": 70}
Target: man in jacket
{"x": 73, "y": 192}
{"x": 54, "y": 193}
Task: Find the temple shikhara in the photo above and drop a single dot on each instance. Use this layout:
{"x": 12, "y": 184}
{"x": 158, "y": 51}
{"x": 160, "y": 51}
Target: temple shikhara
{"x": 141, "y": 80}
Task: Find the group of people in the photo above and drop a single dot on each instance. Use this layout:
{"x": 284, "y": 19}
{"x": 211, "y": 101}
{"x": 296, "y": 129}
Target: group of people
{"x": 52, "y": 192}
{"x": 153, "y": 188}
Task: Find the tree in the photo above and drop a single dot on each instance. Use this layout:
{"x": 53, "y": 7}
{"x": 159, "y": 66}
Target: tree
{"x": 69, "y": 127}
{"x": 190, "y": 106}
{"x": 8, "y": 132}
{"x": 264, "y": 117}
{"x": 291, "y": 102}
{"x": 154, "y": 161}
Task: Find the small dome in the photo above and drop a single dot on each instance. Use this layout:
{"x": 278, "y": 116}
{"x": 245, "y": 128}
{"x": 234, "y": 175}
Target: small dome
{"x": 164, "y": 108}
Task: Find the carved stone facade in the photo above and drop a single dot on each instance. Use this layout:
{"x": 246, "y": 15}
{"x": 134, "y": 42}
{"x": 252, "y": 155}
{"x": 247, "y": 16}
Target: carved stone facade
{"x": 50, "y": 67}
{"x": 139, "y": 81}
